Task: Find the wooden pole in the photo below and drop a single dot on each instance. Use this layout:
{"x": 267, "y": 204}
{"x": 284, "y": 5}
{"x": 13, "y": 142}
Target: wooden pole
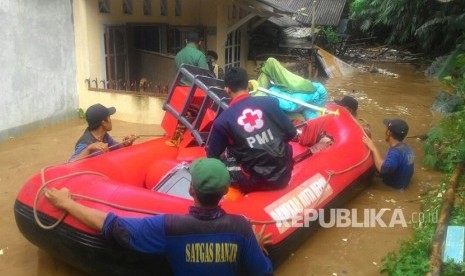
{"x": 437, "y": 248}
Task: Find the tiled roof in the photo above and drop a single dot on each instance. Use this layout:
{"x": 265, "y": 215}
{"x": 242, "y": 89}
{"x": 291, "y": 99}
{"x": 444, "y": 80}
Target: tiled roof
{"x": 328, "y": 12}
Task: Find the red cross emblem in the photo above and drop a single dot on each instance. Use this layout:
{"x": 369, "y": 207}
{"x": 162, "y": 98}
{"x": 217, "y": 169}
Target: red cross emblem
{"x": 251, "y": 119}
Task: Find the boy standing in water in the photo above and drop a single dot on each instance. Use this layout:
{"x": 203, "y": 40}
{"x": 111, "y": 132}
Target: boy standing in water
{"x": 397, "y": 168}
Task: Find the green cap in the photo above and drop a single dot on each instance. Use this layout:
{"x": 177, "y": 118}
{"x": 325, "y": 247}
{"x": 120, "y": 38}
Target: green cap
{"x": 209, "y": 176}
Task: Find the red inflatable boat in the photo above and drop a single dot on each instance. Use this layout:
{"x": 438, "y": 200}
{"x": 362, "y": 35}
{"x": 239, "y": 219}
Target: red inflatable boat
{"x": 151, "y": 178}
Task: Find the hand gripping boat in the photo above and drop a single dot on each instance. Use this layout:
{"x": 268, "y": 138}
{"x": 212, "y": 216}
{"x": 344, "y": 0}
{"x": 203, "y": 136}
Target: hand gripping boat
{"x": 151, "y": 178}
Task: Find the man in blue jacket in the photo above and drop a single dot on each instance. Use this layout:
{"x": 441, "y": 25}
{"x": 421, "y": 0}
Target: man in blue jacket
{"x": 255, "y": 132}
{"x": 207, "y": 241}
{"x": 397, "y": 168}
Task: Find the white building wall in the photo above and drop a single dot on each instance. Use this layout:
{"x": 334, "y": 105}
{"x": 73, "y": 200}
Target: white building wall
{"x": 38, "y": 67}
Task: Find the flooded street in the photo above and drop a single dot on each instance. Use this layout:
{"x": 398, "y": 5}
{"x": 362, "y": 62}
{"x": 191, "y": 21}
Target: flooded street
{"x": 358, "y": 251}
{"x": 330, "y": 251}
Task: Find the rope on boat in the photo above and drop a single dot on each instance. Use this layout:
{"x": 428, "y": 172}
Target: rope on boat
{"x": 62, "y": 217}
{"x": 40, "y": 191}
{"x": 109, "y": 148}
{"x": 45, "y": 183}
{"x": 125, "y": 208}
{"x": 95, "y": 153}
{"x": 117, "y": 206}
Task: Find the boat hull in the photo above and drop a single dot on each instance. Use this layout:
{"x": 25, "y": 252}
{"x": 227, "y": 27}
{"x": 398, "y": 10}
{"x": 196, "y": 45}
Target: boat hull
{"x": 90, "y": 253}
{"x": 97, "y": 256}
{"x": 280, "y": 252}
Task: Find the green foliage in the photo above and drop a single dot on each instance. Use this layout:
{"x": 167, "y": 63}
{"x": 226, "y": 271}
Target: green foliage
{"x": 363, "y": 14}
{"x": 413, "y": 255}
{"x": 332, "y": 35}
{"x": 446, "y": 67}
{"x": 401, "y": 17}
{"x": 433, "y": 26}
{"x": 457, "y": 216}
{"x": 81, "y": 113}
{"x": 451, "y": 67}
{"x": 457, "y": 78}
{"x": 452, "y": 269}
{"x": 442, "y": 31}
{"x": 412, "y": 258}
{"x": 445, "y": 145}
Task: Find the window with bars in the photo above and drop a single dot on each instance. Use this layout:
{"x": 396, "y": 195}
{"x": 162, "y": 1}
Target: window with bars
{"x": 232, "y": 50}
{"x": 161, "y": 38}
{"x": 116, "y": 57}
{"x": 150, "y": 38}
{"x": 119, "y": 40}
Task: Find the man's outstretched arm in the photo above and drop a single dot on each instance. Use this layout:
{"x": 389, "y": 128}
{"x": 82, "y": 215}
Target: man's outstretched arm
{"x": 61, "y": 199}
{"x": 377, "y": 159}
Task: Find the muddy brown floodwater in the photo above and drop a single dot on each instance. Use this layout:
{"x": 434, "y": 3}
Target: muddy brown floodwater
{"x": 330, "y": 251}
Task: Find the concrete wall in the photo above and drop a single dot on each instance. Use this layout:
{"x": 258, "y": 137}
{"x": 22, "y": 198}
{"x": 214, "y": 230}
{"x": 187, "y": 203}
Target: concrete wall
{"x": 38, "y": 68}
{"x": 130, "y": 108}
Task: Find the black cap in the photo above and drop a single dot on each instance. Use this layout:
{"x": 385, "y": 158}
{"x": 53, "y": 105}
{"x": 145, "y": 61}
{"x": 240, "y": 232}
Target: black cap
{"x": 397, "y": 127}
{"x": 349, "y": 102}
{"x": 96, "y": 113}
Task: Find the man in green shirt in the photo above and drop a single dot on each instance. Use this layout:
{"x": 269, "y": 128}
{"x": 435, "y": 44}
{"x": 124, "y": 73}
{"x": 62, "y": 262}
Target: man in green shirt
{"x": 191, "y": 54}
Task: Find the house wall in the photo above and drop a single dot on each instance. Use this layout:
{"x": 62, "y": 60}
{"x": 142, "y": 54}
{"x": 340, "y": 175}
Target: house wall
{"x": 37, "y": 71}
{"x": 89, "y": 29}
